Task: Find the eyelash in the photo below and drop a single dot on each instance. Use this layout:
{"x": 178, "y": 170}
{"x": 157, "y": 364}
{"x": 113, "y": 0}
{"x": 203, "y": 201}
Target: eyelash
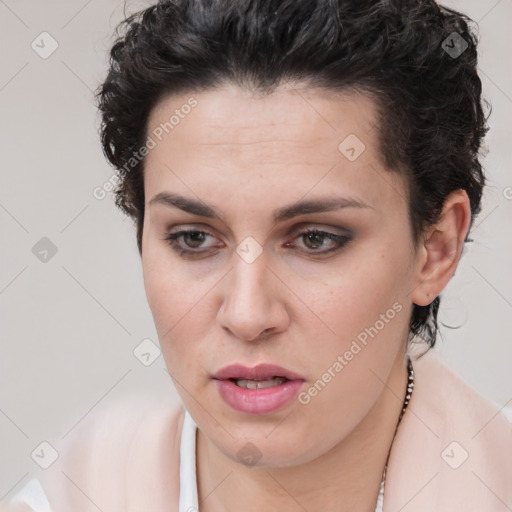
{"x": 340, "y": 241}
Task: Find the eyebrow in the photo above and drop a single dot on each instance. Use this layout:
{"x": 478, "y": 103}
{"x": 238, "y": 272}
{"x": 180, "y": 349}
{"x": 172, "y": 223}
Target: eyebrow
{"x": 301, "y": 207}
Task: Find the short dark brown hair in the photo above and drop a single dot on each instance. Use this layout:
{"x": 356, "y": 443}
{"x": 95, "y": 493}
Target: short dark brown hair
{"x": 418, "y": 60}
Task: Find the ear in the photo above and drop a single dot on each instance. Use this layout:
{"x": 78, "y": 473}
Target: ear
{"x": 440, "y": 249}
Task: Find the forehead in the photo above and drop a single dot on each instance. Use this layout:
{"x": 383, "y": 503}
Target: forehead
{"x": 234, "y": 115}
{"x": 290, "y": 142}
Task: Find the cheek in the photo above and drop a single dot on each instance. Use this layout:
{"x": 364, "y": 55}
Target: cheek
{"x": 169, "y": 295}
{"x": 367, "y": 284}
{"x": 171, "y": 305}
{"x": 181, "y": 310}
{"x": 366, "y": 308}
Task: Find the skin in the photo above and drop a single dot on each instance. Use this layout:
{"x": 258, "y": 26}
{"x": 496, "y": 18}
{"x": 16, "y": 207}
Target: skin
{"x": 246, "y": 155}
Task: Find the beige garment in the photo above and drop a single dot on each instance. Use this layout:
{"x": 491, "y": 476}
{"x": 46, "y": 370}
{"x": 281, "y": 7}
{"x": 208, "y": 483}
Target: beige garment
{"x": 452, "y": 452}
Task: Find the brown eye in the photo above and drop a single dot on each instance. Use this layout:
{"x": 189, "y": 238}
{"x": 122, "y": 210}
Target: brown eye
{"x": 194, "y": 238}
{"x": 322, "y": 242}
{"x": 191, "y": 238}
{"x": 314, "y": 241}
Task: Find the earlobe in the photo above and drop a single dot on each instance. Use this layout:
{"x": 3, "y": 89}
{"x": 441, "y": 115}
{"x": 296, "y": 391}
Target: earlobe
{"x": 440, "y": 250}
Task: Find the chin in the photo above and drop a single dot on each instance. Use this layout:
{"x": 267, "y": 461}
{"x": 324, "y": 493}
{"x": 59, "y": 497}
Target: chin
{"x": 268, "y": 446}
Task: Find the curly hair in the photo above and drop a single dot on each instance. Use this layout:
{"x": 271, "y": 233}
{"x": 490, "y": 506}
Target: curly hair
{"x": 431, "y": 118}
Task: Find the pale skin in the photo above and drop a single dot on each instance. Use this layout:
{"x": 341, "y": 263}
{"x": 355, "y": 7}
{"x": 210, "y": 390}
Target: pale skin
{"x": 247, "y": 155}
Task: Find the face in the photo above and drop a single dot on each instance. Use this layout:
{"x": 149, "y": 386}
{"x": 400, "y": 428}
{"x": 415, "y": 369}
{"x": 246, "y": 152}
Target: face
{"x": 273, "y": 235}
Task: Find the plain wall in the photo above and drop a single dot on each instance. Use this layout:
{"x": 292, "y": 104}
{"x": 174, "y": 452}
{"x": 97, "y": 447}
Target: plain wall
{"x": 69, "y": 326}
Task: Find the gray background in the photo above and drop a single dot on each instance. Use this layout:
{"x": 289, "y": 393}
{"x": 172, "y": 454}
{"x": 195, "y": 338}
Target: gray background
{"x": 69, "y": 325}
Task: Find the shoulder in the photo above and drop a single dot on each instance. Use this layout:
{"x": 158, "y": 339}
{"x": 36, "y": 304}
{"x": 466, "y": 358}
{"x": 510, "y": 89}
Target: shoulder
{"x": 447, "y": 396}
{"x": 126, "y": 453}
{"x": 453, "y": 448}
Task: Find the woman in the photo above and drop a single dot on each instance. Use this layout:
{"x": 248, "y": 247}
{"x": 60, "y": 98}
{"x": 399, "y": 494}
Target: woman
{"x": 303, "y": 177}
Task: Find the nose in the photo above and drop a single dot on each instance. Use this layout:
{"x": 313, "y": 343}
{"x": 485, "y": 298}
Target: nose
{"x": 254, "y": 302}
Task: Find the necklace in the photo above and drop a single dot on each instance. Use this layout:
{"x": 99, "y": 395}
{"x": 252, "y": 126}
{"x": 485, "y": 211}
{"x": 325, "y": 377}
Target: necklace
{"x": 408, "y": 394}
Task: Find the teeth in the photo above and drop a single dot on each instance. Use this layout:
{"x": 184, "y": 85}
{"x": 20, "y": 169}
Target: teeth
{"x": 260, "y": 383}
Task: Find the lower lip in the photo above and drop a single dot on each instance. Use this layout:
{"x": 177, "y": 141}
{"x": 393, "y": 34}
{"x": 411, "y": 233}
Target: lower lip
{"x": 258, "y": 401}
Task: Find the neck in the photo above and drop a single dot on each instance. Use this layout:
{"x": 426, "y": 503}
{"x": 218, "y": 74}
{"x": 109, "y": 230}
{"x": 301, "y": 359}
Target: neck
{"x": 346, "y": 478}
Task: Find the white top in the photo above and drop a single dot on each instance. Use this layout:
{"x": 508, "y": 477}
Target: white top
{"x": 33, "y": 495}
{"x": 188, "y": 480}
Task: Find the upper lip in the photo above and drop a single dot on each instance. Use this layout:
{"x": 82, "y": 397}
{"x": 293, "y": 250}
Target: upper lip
{"x": 260, "y": 371}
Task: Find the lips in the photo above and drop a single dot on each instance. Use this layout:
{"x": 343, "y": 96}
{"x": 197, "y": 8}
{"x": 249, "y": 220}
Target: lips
{"x": 260, "y": 372}
{"x": 260, "y": 389}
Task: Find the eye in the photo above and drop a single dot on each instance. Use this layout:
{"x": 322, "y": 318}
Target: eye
{"x": 314, "y": 240}
{"x": 192, "y": 238}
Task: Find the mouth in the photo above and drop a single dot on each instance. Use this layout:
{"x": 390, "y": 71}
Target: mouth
{"x": 259, "y": 373}
{"x": 260, "y": 389}
{"x": 259, "y": 383}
